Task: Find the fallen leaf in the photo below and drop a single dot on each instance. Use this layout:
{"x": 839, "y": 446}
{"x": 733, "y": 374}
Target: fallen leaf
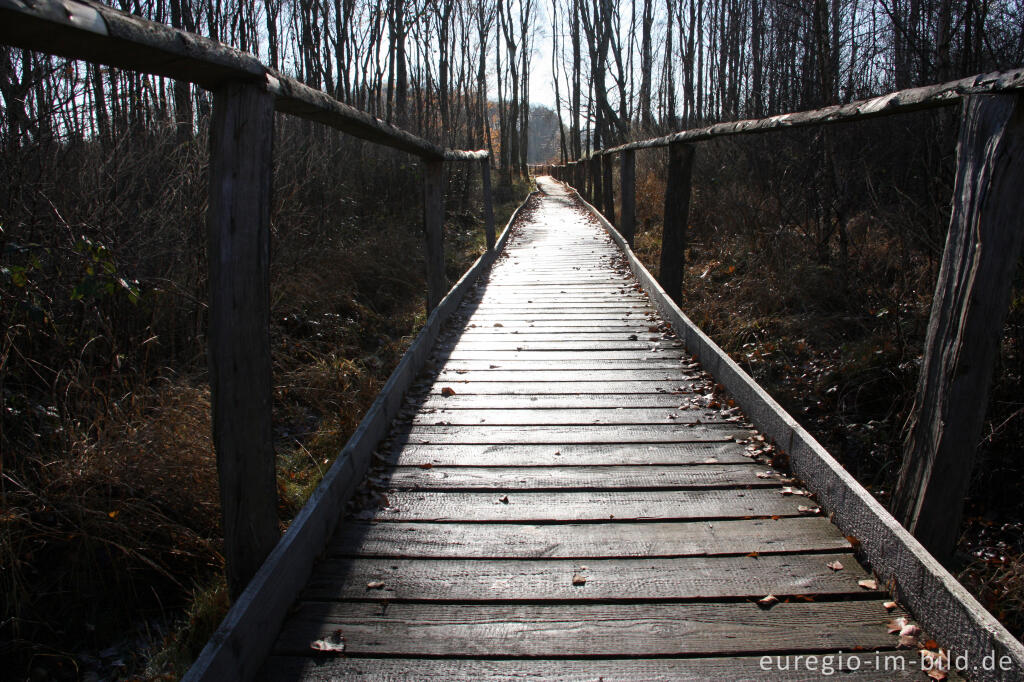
{"x": 426, "y": 465}
{"x": 896, "y": 624}
{"x": 447, "y": 391}
{"x": 503, "y": 499}
{"x": 835, "y": 565}
{"x": 333, "y": 643}
{"x": 768, "y": 601}
{"x": 579, "y": 579}
{"x": 804, "y": 509}
{"x": 375, "y": 585}
{"x": 889, "y": 605}
{"x": 498, "y": 324}
{"x": 868, "y": 584}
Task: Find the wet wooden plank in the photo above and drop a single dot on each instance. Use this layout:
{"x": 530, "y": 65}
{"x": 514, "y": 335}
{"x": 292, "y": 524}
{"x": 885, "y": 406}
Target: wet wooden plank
{"x": 549, "y": 478}
{"x": 548, "y": 630}
{"x": 724, "y": 451}
{"x": 535, "y": 507}
{"x": 890, "y": 665}
{"x": 703, "y": 578}
{"x": 598, "y": 433}
{"x": 587, "y": 540}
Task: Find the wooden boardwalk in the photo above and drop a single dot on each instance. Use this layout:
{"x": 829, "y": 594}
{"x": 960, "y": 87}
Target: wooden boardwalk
{"x": 567, "y": 495}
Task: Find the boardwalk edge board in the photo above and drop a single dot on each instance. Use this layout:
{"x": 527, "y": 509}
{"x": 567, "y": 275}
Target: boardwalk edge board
{"x": 936, "y": 599}
{"x": 246, "y": 635}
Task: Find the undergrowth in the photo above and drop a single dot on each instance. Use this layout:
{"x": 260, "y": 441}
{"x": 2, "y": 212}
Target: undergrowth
{"x": 109, "y": 523}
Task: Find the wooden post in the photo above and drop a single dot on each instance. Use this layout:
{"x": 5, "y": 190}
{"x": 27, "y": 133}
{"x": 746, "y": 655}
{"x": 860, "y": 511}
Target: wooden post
{"x": 485, "y": 172}
{"x": 677, "y": 213}
{"x": 238, "y": 249}
{"x": 595, "y": 181}
{"x": 627, "y": 178}
{"x": 970, "y": 304}
{"x": 433, "y": 229}
{"x": 608, "y": 199}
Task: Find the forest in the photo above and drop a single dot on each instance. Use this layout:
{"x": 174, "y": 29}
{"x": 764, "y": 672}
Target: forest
{"x": 812, "y": 258}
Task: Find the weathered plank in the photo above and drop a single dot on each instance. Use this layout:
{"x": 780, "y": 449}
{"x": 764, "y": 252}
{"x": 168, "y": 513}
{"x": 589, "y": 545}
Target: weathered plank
{"x": 462, "y": 366}
{"x": 549, "y": 478}
{"x": 971, "y": 300}
{"x": 553, "y": 401}
{"x": 690, "y": 578}
{"x": 565, "y": 417}
{"x": 464, "y": 387}
{"x": 890, "y": 665}
{"x": 238, "y": 250}
{"x": 549, "y": 631}
{"x": 598, "y": 433}
{"x": 587, "y": 540}
{"x": 716, "y": 448}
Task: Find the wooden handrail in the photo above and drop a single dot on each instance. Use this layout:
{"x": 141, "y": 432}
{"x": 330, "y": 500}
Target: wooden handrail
{"x": 898, "y": 102}
{"x": 81, "y": 29}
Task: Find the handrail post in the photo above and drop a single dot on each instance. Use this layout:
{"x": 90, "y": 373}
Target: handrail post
{"x": 595, "y": 180}
{"x": 971, "y": 299}
{"x": 677, "y": 214}
{"x": 608, "y": 198}
{"x": 627, "y": 178}
{"x": 433, "y": 230}
{"x": 485, "y": 174}
{"x": 238, "y": 248}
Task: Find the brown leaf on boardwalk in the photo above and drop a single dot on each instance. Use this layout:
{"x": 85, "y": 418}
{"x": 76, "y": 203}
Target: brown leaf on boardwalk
{"x": 427, "y": 465}
{"x": 579, "y": 579}
{"x": 498, "y": 324}
{"x": 375, "y": 585}
{"x": 868, "y": 584}
{"x": 889, "y": 605}
{"x": 503, "y": 499}
{"x": 768, "y": 601}
{"x": 333, "y": 643}
{"x": 854, "y": 542}
{"x": 896, "y": 624}
{"x": 835, "y": 565}
{"x": 448, "y": 391}
{"x": 804, "y": 509}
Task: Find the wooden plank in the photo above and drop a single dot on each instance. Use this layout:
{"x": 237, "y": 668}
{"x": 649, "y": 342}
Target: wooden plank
{"x": 972, "y": 296}
{"x": 587, "y": 540}
{"x": 433, "y": 231}
{"x": 890, "y": 665}
{"x": 581, "y": 401}
{"x": 565, "y": 417}
{"x": 599, "y": 433}
{"x": 530, "y": 507}
{"x": 722, "y": 450}
{"x": 455, "y": 367}
{"x": 593, "y": 478}
{"x": 569, "y": 375}
{"x": 238, "y": 254}
{"x": 559, "y": 344}
{"x": 578, "y": 376}
{"x": 573, "y": 387}
{"x": 696, "y": 578}
{"x": 549, "y": 630}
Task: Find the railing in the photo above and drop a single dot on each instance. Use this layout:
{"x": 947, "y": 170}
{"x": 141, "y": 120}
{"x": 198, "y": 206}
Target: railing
{"x": 246, "y": 94}
{"x": 972, "y": 295}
